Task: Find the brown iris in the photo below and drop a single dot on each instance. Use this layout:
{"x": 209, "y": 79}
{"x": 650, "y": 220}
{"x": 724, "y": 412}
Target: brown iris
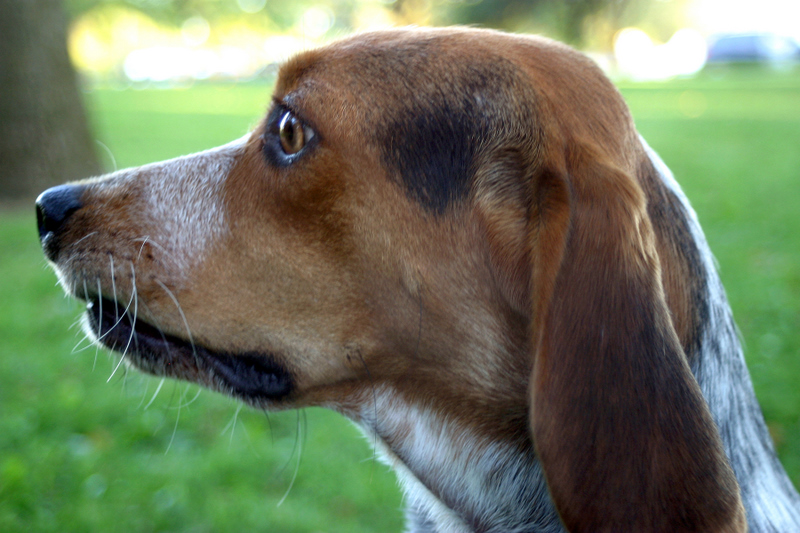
{"x": 291, "y": 133}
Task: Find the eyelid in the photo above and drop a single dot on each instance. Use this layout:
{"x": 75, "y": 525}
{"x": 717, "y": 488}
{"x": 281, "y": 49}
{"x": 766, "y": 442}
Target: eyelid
{"x": 271, "y": 137}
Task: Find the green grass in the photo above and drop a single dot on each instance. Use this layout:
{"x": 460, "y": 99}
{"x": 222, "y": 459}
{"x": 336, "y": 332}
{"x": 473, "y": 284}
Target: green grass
{"x": 80, "y": 454}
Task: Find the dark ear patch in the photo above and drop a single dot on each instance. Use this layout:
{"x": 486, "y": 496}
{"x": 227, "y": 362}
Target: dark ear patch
{"x": 445, "y": 122}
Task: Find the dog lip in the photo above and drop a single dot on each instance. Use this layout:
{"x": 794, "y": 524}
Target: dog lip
{"x": 251, "y": 376}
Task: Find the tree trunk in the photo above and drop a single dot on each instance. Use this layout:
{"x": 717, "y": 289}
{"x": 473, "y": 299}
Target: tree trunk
{"x": 44, "y": 136}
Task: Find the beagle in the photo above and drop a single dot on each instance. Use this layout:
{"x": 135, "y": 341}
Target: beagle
{"x": 457, "y": 239}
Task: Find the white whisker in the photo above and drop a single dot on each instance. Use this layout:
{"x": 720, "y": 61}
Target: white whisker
{"x": 196, "y": 396}
{"x": 299, "y": 446}
{"x": 78, "y": 323}
{"x": 84, "y": 237}
{"x": 141, "y": 248}
{"x": 144, "y": 394}
{"x": 114, "y": 287}
{"x": 166, "y": 254}
{"x": 110, "y": 154}
{"x": 85, "y": 338}
{"x": 79, "y": 349}
{"x": 183, "y": 316}
{"x": 135, "y": 299}
{"x": 99, "y": 297}
{"x": 232, "y": 425}
{"x": 158, "y": 389}
{"x": 116, "y": 302}
{"x": 174, "y": 432}
{"x": 177, "y": 419}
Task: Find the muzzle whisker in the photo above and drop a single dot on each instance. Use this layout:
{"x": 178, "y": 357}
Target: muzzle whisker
{"x": 250, "y": 441}
{"x": 157, "y": 324}
{"x": 79, "y": 322}
{"x": 110, "y": 154}
{"x": 88, "y": 235}
{"x": 87, "y": 338}
{"x": 100, "y": 333}
{"x": 166, "y": 254}
{"x": 181, "y": 405}
{"x": 143, "y": 395}
{"x": 174, "y": 428}
{"x": 125, "y": 312}
{"x": 147, "y": 238}
{"x": 232, "y": 425}
{"x": 158, "y": 389}
{"x": 79, "y": 349}
{"x": 298, "y": 446}
{"x": 181, "y": 402}
{"x": 183, "y": 316}
{"x": 269, "y": 425}
{"x": 100, "y": 303}
{"x": 135, "y": 299}
{"x": 196, "y": 396}
{"x": 113, "y": 287}
{"x": 144, "y": 240}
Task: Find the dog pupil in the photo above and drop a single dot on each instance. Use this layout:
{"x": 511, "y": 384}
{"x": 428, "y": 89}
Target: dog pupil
{"x": 291, "y": 134}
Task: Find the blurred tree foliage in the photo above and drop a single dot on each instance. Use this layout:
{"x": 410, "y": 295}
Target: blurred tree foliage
{"x": 176, "y": 11}
{"x": 569, "y": 20}
{"x": 565, "y": 19}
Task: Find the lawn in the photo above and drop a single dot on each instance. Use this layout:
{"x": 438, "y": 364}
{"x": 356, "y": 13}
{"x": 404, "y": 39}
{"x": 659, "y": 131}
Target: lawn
{"x": 78, "y": 453}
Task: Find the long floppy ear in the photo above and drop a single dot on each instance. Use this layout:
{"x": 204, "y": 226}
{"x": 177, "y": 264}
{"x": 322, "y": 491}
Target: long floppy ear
{"x": 626, "y": 440}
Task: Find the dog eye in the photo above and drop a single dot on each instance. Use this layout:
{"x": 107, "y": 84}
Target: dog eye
{"x": 293, "y": 133}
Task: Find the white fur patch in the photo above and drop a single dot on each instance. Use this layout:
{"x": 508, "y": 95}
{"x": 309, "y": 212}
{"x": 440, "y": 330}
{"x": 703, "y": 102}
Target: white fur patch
{"x": 452, "y": 475}
{"x": 186, "y": 200}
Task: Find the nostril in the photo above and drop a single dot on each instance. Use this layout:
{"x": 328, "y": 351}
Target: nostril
{"x": 54, "y": 207}
{"x": 41, "y": 221}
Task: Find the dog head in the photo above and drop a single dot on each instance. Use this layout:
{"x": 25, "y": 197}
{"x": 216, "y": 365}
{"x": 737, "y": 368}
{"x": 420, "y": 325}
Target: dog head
{"x": 457, "y": 216}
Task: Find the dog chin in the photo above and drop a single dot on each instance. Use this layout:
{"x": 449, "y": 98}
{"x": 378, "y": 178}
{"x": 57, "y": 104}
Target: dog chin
{"x": 255, "y": 378}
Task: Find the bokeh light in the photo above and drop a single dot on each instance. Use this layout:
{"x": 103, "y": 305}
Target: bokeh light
{"x": 639, "y": 58}
{"x": 250, "y": 36}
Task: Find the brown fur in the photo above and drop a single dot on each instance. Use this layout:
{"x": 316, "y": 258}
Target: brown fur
{"x": 550, "y": 289}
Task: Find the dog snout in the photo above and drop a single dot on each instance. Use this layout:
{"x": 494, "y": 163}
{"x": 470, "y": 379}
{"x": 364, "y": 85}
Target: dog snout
{"x": 54, "y": 207}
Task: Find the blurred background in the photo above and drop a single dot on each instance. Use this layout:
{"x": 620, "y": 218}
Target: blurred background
{"x": 88, "y": 86}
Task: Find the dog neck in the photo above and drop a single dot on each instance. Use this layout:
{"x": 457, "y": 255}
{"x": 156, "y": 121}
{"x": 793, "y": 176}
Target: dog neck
{"x": 457, "y": 478}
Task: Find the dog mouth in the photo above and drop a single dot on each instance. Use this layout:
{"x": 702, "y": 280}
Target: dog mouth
{"x": 255, "y": 378}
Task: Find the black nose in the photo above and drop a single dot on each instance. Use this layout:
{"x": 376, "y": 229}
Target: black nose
{"x": 53, "y": 208}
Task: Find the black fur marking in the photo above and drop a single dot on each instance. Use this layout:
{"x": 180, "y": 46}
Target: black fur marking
{"x": 443, "y": 125}
{"x": 434, "y": 147}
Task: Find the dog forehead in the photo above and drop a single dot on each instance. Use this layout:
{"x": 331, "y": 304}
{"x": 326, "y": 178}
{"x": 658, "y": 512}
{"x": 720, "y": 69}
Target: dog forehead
{"x": 371, "y": 63}
{"x": 427, "y": 107}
